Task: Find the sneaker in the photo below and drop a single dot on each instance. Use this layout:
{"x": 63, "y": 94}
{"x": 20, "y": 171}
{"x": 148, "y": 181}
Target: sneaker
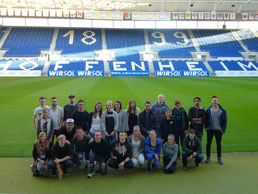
{"x": 75, "y": 168}
{"x": 65, "y": 172}
{"x": 197, "y": 165}
{"x": 207, "y": 160}
{"x": 140, "y": 166}
{"x": 116, "y": 171}
{"x": 90, "y": 175}
{"x": 53, "y": 173}
{"x": 184, "y": 166}
{"x": 126, "y": 170}
{"x": 148, "y": 171}
{"x": 165, "y": 171}
{"x": 220, "y": 161}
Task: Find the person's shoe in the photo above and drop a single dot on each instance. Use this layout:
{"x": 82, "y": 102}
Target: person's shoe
{"x": 140, "y": 166}
{"x": 53, "y": 174}
{"x": 220, "y": 161}
{"x": 75, "y": 167}
{"x": 165, "y": 171}
{"x": 126, "y": 170}
{"x": 65, "y": 172}
{"x": 116, "y": 171}
{"x": 184, "y": 166}
{"x": 90, "y": 175}
{"x": 148, "y": 171}
{"x": 197, "y": 165}
{"x": 207, "y": 160}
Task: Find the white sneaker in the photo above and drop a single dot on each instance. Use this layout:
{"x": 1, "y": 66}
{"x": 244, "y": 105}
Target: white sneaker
{"x": 90, "y": 175}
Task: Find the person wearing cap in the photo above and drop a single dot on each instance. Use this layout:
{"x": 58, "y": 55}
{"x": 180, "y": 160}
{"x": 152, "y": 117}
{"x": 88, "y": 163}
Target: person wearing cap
{"x": 215, "y": 124}
{"x": 158, "y": 110}
{"x": 70, "y": 108}
{"x": 192, "y": 148}
{"x": 81, "y": 117}
{"x": 196, "y": 117}
{"x": 68, "y": 130}
{"x": 38, "y": 110}
{"x": 181, "y": 124}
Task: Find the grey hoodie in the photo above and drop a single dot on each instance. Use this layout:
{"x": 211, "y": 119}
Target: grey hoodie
{"x": 171, "y": 152}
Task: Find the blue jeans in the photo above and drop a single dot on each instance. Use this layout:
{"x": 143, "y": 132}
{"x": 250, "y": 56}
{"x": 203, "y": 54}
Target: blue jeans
{"x": 63, "y": 165}
{"x": 140, "y": 159}
{"x": 77, "y": 162}
{"x": 94, "y": 157}
{"x": 41, "y": 169}
{"x": 111, "y": 138}
{"x": 199, "y": 134}
{"x": 197, "y": 160}
{"x": 149, "y": 158}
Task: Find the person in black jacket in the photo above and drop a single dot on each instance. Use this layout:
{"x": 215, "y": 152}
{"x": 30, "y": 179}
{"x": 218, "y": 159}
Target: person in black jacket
{"x": 146, "y": 120}
{"x": 167, "y": 126}
{"x": 181, "y": 124}
{"x": 121, "y": 154}
{"x": 68, "y": 130}
{"x": 192, "y": 148}
{"x": 215, "y": 124}
{"x": 100, "y": 153}
{"x": 81, "y": 117}
{"x": 70, "y": 108}
{"x": 41, "y": 154}
{"x": 196, "y": 116}
{"x": 61, "y": 157}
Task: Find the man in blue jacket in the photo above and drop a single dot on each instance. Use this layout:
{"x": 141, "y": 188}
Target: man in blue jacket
{"x": 215, "y": 124}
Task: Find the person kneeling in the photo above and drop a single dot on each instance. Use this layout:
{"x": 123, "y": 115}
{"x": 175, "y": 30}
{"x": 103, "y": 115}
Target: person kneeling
{"x": 61, "y": 157}
{"x": 170, "y": 150}
{"x": 192, "y": 148}
{"x": 121, "y": 154}
{"x": 100, "y": 153}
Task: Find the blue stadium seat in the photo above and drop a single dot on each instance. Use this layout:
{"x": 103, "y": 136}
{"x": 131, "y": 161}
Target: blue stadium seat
{"x": 220, "y": 43}
{"x": 27, "y": 42}
{"x": 176, "y": 43}
{"x": 249, "y": 39}
{"x": 79, "y": 42}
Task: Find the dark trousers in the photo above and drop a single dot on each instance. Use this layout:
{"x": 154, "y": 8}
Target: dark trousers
{"x": 64, "y": 165}
{"x": 114, "y": 163}
{"x": 197, "y": 160}
{"x": 179, "y": 136}
{"x": 94, "y": 157}
{"x": 166, "y": 161}
{"x": 218, "y": 137}
{"x": 199, "y": 134}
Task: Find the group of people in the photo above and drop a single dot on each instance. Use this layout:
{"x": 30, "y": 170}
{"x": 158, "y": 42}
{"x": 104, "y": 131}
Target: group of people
{"x": 121, "y": 138}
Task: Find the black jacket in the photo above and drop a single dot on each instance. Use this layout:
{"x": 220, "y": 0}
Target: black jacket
{"x": 183, "y": 123}
{"x": 168, "y": 126}
{"x": 101, "y": 149}
{"x": 190, "y": 146}
{"x": 58, "y": 152}
{"x": 121, "y": 150}
{"x": 36, "y": 155}
{"x": 194, "y": 113}
{"x": 223, "y": 119}
{"x": 143, "y": 125}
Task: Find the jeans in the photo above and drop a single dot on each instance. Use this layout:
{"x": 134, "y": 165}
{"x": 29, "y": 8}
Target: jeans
{"x": 41, "y": 169}
{"x": 63, "y": 165}
{"x": 140, "y": 159}
{"x": 166, "y": 161}
{"x": 114, "y": 163}
{"x": 197, "y": 160}
{"x": 149, "y": 158}
{"x": 218, "y": 136}
{"x": 199, "y": 134}
{"x": 77, "y": 162}
{"x": 94, "y": 157}
{"x": 111, "y": 138}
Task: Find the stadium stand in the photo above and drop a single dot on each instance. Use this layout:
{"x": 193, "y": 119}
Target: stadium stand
{"x": 171, "y": 43}
{"x": 219, "y": 43}
{"x": 78, "y": 42}
{"x": 249, "y": 39}
{"x": 27, "y": 42}
{"x": 2, "y": 32}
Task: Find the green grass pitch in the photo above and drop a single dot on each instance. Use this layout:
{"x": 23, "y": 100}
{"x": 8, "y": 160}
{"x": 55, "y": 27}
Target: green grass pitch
{"x": 19, "y": 97}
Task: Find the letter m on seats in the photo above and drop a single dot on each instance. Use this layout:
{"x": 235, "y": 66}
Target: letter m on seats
{"x": 248, "y": 67}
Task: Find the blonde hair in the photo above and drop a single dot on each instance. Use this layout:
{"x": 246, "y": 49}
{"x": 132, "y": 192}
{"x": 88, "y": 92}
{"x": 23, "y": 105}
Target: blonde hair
{"x": 107, "y": 108}
{"x": 39, "y": 144}
{"x": 60, "y": 137}
{"x": 137, "y": 127}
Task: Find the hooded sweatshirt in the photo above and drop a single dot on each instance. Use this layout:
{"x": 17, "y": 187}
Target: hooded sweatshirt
{"x": 171, "y": 152}
{"x": 121, "y": 150}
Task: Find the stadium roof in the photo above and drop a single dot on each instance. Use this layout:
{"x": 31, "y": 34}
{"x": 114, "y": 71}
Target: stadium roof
{"x": 139, "y": 5}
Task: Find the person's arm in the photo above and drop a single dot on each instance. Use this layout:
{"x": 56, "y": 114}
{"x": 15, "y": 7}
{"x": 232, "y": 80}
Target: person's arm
{"x": 90, "y": 120}
{"x": 34, "y": 121}
{"x": 173, "y": 158}
{"x": 206, "y": 122}
{"x": 141, "y": 124}
{"x": 38, "y": 129}
{"x": 34, "y": 153}
{"x": 141, "y": 148}
{"x": 162, "y": 136}
{"x": 116, "y": 121}
{"x": 61, "y": 117}
{"x": 199, "y": 147}
{"x": 225, "y": 121}
{"x": 104, "y": 121}
{"x": 185, "y": 146}
{"x": 190, "y": 116}
{"x": 126, "y": 121}
{"x": 65, "y": 116}
{"x": 158, "y": 147}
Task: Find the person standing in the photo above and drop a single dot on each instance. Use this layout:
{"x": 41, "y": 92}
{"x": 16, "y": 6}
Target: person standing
{"x": 158, "y": 110}
{"x": 196, "y": 117}
{"x": 215, "y": 124}
{"x": 70, "y": 108}
{"x": 132, "y": 116}
{"x": 192, "y": 148}
{"x": 121, "y": 154}
{"x": 170, "y": 150}
{"x": 146, "y": 120}
{"x": 168, "y": 126}
{"x": 38, "y": 110}
{"x": 138, "y": 147}
{"x": 152, "y": 152}
{"x": 110, "y": 122}
{"x": 81, "y": 117}
{"x": 56, "y": 113}
{"x": 181, "y": 124}
{"x": 95, "y": 120}
{"x": 121, "y": 116}
{"x": 100, "y": 153}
